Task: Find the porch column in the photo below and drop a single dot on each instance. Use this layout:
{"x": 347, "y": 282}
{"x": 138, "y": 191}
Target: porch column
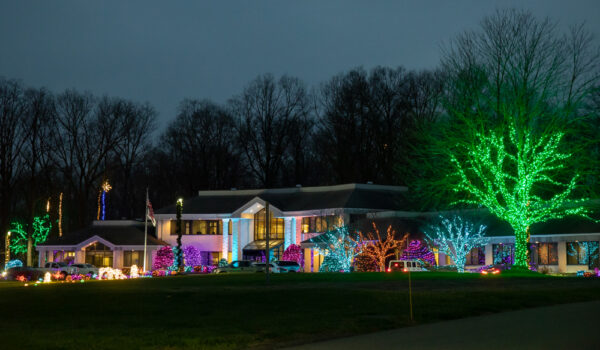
{"x": 562, "y": 257}
{"x": 41, "y": 256}
{"x": 298, "y": 223}
{"x": 287, "y": 232}
{"x": 489, "y": 254}
{"x": 293, "y": 231}
{"x": 117, "y": 258}
{"x": 307, "y": 259}
{"x": 225, "y": 247}
{"x": 79, "y": 256}
{"x": 235, "y": 239}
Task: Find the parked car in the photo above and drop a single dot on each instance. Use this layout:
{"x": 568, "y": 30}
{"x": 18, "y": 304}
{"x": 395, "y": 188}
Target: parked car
{"x": 28, "y": 273}
{"x": 290, "y": 266}
{"x": 85, "y": 269}
{"x": 239, "y": 266}
{"x": 278, "y": 266}
{"x": 58, "y": 266}
{"x": 406, "y": 265}
{"x": 493, "y": 269}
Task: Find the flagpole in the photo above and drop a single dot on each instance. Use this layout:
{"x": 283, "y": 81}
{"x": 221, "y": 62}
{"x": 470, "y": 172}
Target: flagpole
{"x": 145, "y": 229}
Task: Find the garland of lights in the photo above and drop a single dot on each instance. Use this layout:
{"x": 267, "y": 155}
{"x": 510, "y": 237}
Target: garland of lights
{"x": 339, "y": 247}
{"x": 502, "y": 175}
{"x": 179, "y": 252}
{"x": 456, "y": 237}
{"x": 102, "y": 200}
{"x": 60, "y": 215}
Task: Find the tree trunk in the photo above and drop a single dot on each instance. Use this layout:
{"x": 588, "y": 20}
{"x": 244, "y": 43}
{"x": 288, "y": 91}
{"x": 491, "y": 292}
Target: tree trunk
{"x": 521, "y": 247}
{"x": 29, "y": 251}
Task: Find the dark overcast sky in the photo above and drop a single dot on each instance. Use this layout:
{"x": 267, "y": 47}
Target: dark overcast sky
{"x": 164, "y": 51}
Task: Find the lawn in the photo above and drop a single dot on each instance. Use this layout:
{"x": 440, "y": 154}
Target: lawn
{"x": 240, "y": 311}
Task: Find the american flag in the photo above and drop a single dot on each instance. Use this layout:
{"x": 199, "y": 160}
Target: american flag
{"x": 150, "y": 212}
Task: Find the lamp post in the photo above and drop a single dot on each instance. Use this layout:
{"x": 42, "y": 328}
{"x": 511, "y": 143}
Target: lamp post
{"x": 7, "y": 249}
{"x": 179, "y": 256}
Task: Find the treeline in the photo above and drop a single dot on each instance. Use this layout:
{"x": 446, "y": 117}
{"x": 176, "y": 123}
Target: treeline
{"x": 385, "y": 125}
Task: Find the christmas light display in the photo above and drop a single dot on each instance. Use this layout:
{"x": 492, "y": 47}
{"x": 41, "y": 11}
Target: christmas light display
{"x": 339, "y": 247}
{"x": 417, "y": 250}
{"x": 178, "y": 262}
{"x": 502, "y": 175}
{"x": 47, "y": 277}
{"x": 584, "y": 252}
{"x": 191, "y": 256}
{"x": 163, "y": 258}
{"x": 109, "y": 273}
{"x": 102, "y": 200}
{"x": 455, "y": 237}
{"x": 41, "y": 227}
{"x": 365, "y": 263}
{"x": 60, "y": 215}
{"x": 381, "y": 249}
{"x": 294, "y": 253}
{"x": 133, "y": 272}
{"x": 18, "y": 241}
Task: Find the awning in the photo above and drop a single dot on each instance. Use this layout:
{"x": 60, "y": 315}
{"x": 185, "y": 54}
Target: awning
{"x": 262, "y": 245}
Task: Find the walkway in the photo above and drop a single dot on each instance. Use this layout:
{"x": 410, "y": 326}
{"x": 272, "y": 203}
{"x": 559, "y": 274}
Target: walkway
{"x": 568, "y": 326}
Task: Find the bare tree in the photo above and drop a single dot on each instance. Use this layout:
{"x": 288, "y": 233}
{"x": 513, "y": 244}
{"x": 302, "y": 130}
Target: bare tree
{"x": 136, "y": 122}
{"x": 12, "y": 140}
{"x": 85, "y": 134}
{"x": 267, "y": 111}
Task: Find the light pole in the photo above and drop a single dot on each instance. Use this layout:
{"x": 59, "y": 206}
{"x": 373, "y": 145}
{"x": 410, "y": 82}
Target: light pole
{"x": 7, "y": 249}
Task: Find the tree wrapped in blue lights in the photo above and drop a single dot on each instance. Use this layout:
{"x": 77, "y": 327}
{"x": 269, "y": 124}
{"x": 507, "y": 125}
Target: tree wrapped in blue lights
{"x": 455, "y": 237}
{"x": 339, "y": 247}
{"x": 584, "y": 252}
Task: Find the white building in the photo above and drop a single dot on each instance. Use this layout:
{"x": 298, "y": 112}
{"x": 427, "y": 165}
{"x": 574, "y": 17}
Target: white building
{"x": 231, "y": 224}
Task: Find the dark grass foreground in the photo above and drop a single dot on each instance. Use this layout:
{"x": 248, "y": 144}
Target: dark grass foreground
{"x": 239, "y": 311}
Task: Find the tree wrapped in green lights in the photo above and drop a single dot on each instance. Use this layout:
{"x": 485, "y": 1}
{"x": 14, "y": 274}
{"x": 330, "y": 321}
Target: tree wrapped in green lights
{"x": 339, "y": 246}
{"x": 505, "y": 174}
{"x": 455, "y": 237}
{"x": 40, "y": 227}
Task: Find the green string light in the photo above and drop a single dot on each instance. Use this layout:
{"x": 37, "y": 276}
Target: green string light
{"x": 502, "y": 175}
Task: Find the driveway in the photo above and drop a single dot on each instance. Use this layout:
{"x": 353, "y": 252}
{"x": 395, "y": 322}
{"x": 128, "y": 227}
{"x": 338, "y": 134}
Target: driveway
{"x": 567, "y": 326}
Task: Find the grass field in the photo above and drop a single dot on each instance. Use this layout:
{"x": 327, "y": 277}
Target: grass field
{"x": 240, "y": 311}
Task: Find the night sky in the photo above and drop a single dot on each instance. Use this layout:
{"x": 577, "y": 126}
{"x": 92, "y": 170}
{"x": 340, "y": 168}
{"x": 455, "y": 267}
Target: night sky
{"x": 161, "y": 52}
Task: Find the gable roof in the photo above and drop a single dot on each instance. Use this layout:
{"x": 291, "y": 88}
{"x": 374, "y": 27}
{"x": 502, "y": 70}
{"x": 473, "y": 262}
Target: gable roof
{"x": 118, "y": 235}
{"x": 356, "y": 196}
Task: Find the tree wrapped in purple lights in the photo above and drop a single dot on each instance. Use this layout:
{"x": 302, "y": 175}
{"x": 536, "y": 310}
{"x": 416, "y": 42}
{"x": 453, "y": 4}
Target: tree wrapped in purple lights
{"x": 191, "y": 256}
{"x": 294, "y": 253}
{"x": 163, "y": 258}
{"x": 418, "y": 250}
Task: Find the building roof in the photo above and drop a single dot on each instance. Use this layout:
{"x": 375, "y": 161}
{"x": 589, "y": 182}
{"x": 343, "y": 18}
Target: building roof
{"x": 116, "y": 232}
{"x": 356, "y": 196}
{"x": 414, "y": 225}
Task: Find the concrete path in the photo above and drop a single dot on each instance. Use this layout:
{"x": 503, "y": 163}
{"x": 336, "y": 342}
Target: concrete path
{"x": 568, "y": 326}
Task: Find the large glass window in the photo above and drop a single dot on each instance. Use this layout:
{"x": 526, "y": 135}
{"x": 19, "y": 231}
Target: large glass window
{"x": 503, "y": 253}
{"x": 547, "y": 253}
{"x": 476, "y": 256}
{"x": 583, "y": 253}
{"x": 199, "y": 227}
{"x": 319, "y": 224}
{"x": 133, "y": 257}
{"x": 99, "y": 255}
{"x": 276, "y": 228}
